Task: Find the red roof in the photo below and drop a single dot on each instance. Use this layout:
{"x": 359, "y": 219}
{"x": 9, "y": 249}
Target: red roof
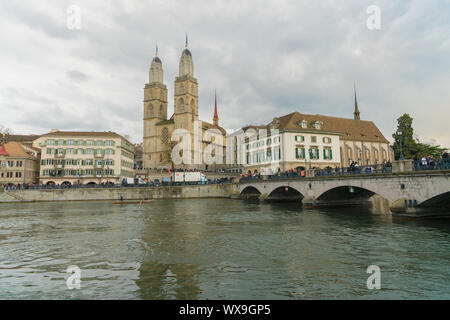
{"x": 3, "y": 150}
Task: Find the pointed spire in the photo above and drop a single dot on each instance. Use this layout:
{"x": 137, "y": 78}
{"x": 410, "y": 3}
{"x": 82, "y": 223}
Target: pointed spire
{"x": 356, "y": 112}
{"x": 216, "y": 116}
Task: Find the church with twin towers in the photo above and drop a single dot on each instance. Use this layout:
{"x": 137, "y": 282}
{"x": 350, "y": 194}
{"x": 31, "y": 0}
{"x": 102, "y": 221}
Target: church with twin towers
{"x": 158, "y": 127}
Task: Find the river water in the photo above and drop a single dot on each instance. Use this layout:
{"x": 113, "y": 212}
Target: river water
{"x": 217, "y": 249}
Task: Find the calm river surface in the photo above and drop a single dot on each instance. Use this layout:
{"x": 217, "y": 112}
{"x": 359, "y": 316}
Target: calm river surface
{"x": 217, "y": 249}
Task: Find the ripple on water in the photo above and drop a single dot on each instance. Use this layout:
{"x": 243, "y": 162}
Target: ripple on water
{"x": 223, "y": 249}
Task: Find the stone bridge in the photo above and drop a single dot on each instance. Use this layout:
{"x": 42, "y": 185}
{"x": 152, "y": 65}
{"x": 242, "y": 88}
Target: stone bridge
{"x": 402, "y": 194}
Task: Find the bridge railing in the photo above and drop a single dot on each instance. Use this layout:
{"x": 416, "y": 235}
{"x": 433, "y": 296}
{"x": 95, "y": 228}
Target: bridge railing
{"x": 354, "y": 170}
{"x": 436, "y": 165}
{"x": 344, "y": 171}
{"x": 110, "y": 185}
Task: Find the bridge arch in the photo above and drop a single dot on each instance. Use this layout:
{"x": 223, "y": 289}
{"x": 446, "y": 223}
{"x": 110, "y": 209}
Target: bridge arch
{"x": 250, "y": 192}
{"x": 346, "y": 192}
{"x": 350, "y": 195}
{"x": 441, "y": 201}
{"x": 285, "y": 193}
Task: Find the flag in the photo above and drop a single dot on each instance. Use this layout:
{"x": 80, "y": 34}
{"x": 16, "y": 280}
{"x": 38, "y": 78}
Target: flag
{"x": 186, "y": 40}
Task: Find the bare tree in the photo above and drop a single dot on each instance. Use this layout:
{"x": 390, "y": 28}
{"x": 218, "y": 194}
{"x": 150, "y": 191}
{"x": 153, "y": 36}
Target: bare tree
{"x": 5, "y": 130}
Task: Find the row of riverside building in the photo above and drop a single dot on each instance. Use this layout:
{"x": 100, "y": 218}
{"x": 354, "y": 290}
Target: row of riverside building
{"x": 303, "y": 140}
{"x": 292, "y": 141}
{"x": 66, "y": 157}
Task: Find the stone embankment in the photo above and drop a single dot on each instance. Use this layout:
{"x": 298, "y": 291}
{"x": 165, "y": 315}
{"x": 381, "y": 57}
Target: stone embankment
{"x": 87, "y": 194}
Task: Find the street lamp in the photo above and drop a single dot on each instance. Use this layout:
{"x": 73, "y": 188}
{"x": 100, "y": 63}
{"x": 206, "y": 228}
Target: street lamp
{"x": 310, "y": 157}
{"x": 400, "y": 134}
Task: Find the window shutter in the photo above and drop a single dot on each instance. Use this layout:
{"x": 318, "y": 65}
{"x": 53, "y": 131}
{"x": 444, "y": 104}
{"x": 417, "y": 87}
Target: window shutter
{"x": 317, "y": 152}
{"x": 303, "y": 153}
{"x": 324, "y": 153}
{"x": 296, "y": 138}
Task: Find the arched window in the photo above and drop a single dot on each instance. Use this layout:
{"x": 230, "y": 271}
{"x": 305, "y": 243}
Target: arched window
{"x": 192, "y": 106}
{"x": 192, "y": 89}
{"x": 165, "y": 135}
{"x": 150, "y": 110}
{"x": 181, "y": 105}
{"x": 161, "y": 111}
{"x": 181, "y": 88}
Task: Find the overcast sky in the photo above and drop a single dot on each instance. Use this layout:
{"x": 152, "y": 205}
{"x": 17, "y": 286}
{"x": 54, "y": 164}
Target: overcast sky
{"x": 266, "y": 59}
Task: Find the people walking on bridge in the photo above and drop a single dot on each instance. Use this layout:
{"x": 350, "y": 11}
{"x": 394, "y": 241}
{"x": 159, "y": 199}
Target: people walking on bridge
{"x": 424, "y": 162}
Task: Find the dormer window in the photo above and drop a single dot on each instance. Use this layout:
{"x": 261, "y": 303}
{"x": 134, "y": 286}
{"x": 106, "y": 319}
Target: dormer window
{"x": 303, "y": 124}
{"x": 318, "y": 124}
{"x": 275, "y": 123}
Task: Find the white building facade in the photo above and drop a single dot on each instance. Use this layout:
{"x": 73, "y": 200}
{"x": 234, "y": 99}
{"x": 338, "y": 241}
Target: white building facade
{"x": 71, "y": 158}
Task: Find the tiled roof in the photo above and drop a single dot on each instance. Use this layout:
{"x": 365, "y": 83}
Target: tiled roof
{"x": 21, "y": 137}
{"x": 207, "y": 126}
{"x": 162, "y": 122}
{"x": 82, "y": 134}
{"x": 350, "y": 129}
{"x": 15, "y": 150}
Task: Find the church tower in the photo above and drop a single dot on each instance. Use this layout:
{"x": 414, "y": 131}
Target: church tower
{"x": 186, "y": 93}
{"x": 155, "y": 110}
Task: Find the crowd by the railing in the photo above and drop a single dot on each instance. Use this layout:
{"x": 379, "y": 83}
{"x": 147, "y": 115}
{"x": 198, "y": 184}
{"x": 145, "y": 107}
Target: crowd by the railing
{"x": 354, "y": 169}
{"x": 431, "y": 163}
{"x": 166, "y": 170}
{"x": 150, "y": 184}
{"x": 425, "y": 163}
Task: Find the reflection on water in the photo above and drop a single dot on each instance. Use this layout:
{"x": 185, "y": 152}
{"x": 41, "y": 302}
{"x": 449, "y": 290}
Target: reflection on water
{"x": 217, "y": 249}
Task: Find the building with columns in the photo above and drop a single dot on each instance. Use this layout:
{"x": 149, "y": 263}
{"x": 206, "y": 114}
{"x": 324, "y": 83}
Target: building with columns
{"x": 158, "y": 127}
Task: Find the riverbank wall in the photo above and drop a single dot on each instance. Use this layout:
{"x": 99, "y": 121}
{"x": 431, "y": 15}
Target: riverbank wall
{"x": 91, "y": 194}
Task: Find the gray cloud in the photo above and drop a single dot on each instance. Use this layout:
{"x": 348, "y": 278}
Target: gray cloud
{"x": 265, "y": 58}
{"x": 77, "y": 75}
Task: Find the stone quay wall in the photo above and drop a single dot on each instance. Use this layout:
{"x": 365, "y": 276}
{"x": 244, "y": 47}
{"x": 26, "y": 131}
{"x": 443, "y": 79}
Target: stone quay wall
{"x": 142, "y": 193}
